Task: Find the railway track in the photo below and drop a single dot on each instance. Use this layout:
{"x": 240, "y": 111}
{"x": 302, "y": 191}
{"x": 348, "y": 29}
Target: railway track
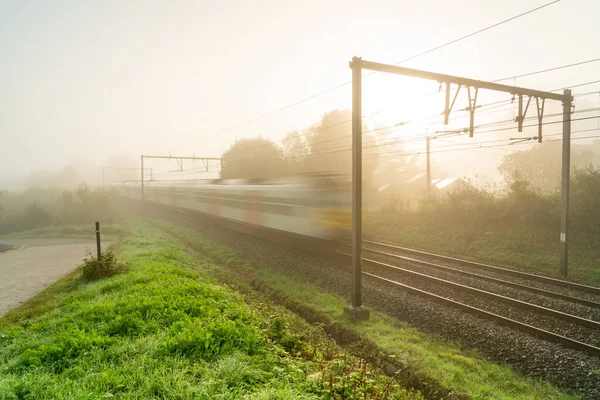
{"x": 566, "y": 328}
{"x": 476, "y": 275}
{"x": 487, "y": 267}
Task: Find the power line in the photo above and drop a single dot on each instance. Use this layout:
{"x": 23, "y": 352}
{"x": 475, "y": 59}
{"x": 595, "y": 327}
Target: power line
{"x": 539, "y": 72}
{"x": 400, "y": 124}
{"x": 549, "y": 69}
{"x": 416, "y": 137}
{"x": 444, "y": 148}
{"x": 496, "y": 105}
{"x": 477, "y": 32}
{"x": 341, "y": 149}
{"x": 496, "y": 146}
{"x": 347, "y": 83}
{"x": 507, "y": 144}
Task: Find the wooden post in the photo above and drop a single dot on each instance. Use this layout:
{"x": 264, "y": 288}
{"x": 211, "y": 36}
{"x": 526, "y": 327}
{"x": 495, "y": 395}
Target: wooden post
{"x": 98, "y": 248}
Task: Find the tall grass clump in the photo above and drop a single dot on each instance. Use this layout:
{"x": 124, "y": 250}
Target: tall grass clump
{"x": 106, "y": 266}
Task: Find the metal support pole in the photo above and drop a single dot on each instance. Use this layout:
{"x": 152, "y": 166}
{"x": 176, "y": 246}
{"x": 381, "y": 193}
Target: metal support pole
{"x": 472, "y": 106}
{"x": 356, "y": 181}
{"x": 566, "y": 169}
{"x": 151, "y": 173}
{"x": 98, "y": 249}
{"x": 566, "y": 98}
{"x": 428, "y": 174}
{"x": 447, "y": 107}
{"x": 540, "y": 115}
{"x": 142, "y": 183}
{"x": 356, "y": 310}
{"x": 521, "y": 116}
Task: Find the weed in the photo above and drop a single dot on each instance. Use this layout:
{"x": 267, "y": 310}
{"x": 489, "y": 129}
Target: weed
{"x": 108, "y": 265}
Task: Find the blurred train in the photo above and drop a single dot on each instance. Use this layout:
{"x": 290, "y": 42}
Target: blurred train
{"x": 316, "y": 206}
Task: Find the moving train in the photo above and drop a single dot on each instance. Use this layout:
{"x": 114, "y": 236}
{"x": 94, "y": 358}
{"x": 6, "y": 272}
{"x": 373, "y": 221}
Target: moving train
{"x": 314, "y": 205}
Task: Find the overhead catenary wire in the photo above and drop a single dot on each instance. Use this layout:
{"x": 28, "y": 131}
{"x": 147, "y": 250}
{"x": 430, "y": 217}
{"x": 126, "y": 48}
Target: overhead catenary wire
{"x": 481, "y": 145}
{"x": 478, "y": 32}
{"x": 229, "y": 129}
{"x": 506, "y": 144}
{"x": 549, "y": 69}
{"x": 400, "y": 124}
{"x": 344, "y": 148}
{"x": 421, "y": 137}
{"x": 497, "y": 104}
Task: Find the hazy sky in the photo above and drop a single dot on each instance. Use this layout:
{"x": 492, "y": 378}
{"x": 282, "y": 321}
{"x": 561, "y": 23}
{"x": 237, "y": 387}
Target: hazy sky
{"x": 82, "y": 80}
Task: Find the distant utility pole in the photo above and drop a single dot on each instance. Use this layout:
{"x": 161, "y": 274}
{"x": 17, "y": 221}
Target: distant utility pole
{"x": 357, "y": 65}
{"x": 142, "y": 180}
{"x": 428, "y": 174}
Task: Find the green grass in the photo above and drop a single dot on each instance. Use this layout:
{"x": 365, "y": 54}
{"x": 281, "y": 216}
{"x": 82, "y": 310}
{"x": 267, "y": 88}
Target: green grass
{"x": 462, "y": 371}
{"x": 167, "y": 328}
{"x": 537, "y": 251}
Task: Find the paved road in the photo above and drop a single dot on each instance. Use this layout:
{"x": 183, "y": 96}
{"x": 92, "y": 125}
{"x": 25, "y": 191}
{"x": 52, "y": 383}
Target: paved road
{"x": 27, "y": 271}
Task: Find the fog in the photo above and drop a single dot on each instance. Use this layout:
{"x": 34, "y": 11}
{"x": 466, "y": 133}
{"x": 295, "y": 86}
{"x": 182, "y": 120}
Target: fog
{"x": 86, "y": 85}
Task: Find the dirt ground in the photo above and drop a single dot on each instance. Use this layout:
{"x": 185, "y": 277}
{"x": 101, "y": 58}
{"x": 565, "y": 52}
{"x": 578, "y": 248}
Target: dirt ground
{"x": 40, "y": 262}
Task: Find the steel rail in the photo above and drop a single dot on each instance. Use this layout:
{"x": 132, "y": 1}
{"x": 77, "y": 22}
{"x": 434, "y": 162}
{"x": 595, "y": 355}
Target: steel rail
{"x": 506, "y": 271}
{"x": 532, "y": 289}
{"x": 540, "y": 333}
{"x": 482, "y": 293}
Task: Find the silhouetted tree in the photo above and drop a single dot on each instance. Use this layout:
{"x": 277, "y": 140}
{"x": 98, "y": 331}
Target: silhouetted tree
{"x": 541, "y": 165}
{"x": 295, "y": 152}
{"x": 253, "y": 158}
{"x": 330, "y": 145}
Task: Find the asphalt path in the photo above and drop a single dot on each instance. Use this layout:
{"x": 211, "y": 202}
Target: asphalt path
{"x": 36, "y": 264}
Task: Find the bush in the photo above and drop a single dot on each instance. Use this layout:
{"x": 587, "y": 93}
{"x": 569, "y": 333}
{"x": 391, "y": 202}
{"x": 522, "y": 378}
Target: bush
{"x": 107, "y": 266}
{"x": 34, "y": 216}
{"x": 38, "y": 207}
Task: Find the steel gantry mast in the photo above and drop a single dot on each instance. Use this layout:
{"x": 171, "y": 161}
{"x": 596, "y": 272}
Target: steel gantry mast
{"x": 472, "y": 86}
{"x": 179, "y": 160}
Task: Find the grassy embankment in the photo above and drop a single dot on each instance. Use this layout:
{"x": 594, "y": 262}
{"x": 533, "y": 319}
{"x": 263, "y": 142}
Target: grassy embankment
{"x": 166, "y": 328}
{"x": 536, "y": 251}
{"x": 458, "y": 370}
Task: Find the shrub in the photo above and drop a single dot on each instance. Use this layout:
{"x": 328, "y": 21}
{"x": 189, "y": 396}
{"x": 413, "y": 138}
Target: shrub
{"x": 34, "y": 216}
{"x": 105, "y": 267}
